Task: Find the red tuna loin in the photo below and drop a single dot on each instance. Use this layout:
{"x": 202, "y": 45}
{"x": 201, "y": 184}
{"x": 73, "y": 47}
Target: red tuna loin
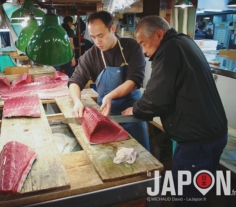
{"x": 33, "y": 88}
{"x": 43, "y": 79}
{"x": 16, "y": 160}
{"x": 22, "y": 106}
{"x": 59, "y": 76}
{"x": 22, "y": 80}
{"x": 4, "y": 84}
{"x": 100, "y": 129}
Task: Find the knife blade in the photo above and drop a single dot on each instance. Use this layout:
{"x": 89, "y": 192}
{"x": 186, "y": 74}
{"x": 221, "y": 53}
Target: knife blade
{"x": 116, "y": 118}
{"x": 125, "y": 118}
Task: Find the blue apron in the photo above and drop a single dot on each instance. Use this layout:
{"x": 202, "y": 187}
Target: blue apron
{"x": 109, "y": 79}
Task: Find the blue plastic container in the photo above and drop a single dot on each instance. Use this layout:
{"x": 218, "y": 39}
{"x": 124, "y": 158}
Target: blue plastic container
{"x": 5, "y": 60}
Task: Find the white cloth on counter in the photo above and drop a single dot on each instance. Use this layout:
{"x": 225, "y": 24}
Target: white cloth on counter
{"x": 125, "y": 154}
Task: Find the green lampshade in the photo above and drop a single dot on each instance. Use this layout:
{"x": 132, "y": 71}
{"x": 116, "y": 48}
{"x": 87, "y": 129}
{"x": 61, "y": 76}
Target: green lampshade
{"x": 232, "y": 3}
{"x": 20, "y": 14}
{"x": 184, "y": 3}
{"x": 26, "y": 33}
{"x": 50, "y": 44}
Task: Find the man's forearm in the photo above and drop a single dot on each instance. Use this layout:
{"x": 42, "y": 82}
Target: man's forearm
{"x": 122, "y": 90}
{"x": 75, "y": 92}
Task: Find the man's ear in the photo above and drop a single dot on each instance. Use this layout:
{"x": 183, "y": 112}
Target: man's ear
{"x": 113, "y": 28}
{"x": 159, "y": 34}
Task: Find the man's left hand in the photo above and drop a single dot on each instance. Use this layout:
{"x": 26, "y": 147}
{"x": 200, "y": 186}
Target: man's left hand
{"x": 128, "y": 111}
{"x": 73, "y": 62}
{"x": 106, "y": 105}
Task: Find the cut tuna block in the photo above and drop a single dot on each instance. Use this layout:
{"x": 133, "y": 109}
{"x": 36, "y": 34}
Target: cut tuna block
{"x": 16, "y": 160}
{"x": 43, "y": 79}
{"x": 4, "y": 84}
{"x": 22, "y": 106}
{"x": 22, "y": 80}
{"x": 100, "y": 129}
{"x": 59, "y": 76}
{"x": 34, "y": 88}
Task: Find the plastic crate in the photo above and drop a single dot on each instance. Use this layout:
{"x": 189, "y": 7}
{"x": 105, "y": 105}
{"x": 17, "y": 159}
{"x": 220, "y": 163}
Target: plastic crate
{"x": 5, "y": 60}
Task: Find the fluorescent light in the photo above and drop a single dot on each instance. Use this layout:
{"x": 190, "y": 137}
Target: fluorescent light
{"x": 200, "y": 11}
{"x": 232, "y": 3}
{"x": 213, "y": 10}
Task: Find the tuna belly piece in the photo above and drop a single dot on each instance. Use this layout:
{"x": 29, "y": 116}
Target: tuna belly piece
{"x": 16, "y": 160}
{"x": 4, "y": 84}
{"x": 100, "y": 129}
{"x": 22, "y": 106}
{"x": 23, "y": 79}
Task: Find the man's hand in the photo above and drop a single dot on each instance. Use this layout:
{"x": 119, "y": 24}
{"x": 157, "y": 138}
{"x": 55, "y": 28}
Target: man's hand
{"x": 73, "y": 62}
{"x": 106, "y": 105}
{"x": 78, "y": 109}
{"x": 128, "y": 111}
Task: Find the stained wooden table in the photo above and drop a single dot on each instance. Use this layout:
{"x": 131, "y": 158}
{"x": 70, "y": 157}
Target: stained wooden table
{"x": 94, "y": 180}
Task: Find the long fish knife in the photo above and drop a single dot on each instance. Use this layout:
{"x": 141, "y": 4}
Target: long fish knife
{"x": 116, "y": 118}
{"x": 70, "y": 120}
{"x": 125, "y": 119}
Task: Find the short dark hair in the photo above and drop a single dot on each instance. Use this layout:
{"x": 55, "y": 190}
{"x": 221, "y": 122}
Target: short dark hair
{"x": 104, "y": 16}
{"x": 68, "y": 19}
{"x": 201, "y": 25}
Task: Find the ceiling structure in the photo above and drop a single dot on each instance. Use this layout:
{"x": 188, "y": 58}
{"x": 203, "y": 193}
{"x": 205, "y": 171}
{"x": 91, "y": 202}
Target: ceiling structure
{"x": 69, "y": 7}
{"x": 80, "y": 7}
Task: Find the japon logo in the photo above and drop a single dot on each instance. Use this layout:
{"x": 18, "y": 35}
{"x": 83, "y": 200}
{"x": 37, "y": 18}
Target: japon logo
{"x": 202, "y": 180}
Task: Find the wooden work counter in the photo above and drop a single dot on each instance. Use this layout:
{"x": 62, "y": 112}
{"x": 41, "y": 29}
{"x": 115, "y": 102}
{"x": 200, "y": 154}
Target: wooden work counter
{"x": 94, "y": 180}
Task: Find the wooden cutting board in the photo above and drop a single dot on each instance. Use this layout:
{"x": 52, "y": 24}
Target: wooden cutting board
{"x": 102, "y": 155}
{"x": 48, "y": 172}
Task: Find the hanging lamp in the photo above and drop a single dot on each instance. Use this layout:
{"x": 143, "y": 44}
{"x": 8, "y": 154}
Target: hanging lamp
{"x": 49, "y": 43}
{"x": 26, "y": 33}
{"x": 232, "y": 3}
{"x": 20, "y": 14}
{"x": 184, "y": 4}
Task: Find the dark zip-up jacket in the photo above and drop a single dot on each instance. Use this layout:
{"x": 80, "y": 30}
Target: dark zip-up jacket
{"x": 183, "y": 93}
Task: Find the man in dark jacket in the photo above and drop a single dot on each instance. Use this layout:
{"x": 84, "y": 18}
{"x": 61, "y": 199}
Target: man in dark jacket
{"x": 183, "y": 93}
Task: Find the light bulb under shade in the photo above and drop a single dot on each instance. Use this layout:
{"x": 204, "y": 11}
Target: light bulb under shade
{"x": 232, "y": 3}
{"x": 50, "y": 44}
{"x": 26, "y": 34}
{"x": 19, "y": 15}
{"x": 184, "y": 3}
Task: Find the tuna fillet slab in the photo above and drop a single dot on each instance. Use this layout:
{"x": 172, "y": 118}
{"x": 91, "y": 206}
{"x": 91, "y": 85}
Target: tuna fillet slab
{"x": 4, "y": 84}
{"x": 22, "y": 106}
{"x": 16, "y": 160}
{"x": 100, "y": 129}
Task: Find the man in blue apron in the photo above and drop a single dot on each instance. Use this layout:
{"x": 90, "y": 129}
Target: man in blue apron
{"x": 117, "y": 67}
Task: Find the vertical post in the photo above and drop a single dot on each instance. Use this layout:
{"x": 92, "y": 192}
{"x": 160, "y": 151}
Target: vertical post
{"x": 78, "y": 30}
{"x": 162, "y": 11}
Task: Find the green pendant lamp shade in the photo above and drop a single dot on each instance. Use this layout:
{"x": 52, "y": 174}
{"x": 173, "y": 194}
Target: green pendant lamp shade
{"x": 184, "y": 3}
{"x": 26, "y": 33}
{"x": 50, "y": 44}
{"x": 232, "y": 3}
{"x": 20, "y": 14}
